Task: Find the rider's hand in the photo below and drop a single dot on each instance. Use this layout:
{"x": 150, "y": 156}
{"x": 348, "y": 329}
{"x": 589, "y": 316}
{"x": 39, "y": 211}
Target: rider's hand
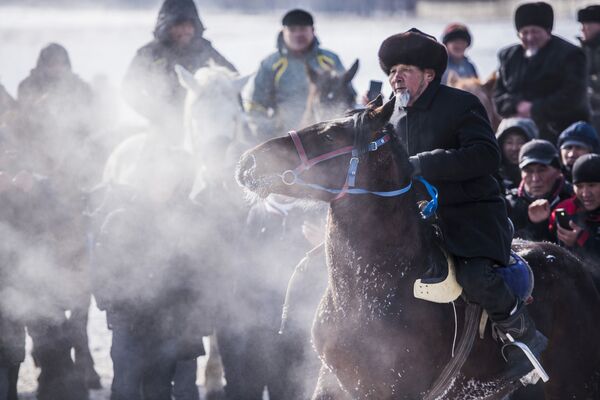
{"x": 539, "y": 211}
{"x": 568, "y": 236}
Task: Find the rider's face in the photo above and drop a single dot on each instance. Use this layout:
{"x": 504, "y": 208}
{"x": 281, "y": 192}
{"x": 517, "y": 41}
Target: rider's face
{"x": 590, "y": 30}
{"x": 410, "y": 78}
{"x": 182, "y": 33}
{"x": 298, "y": 38}
{"x": 539, "y": 179}
{"x": 456, "y": 48}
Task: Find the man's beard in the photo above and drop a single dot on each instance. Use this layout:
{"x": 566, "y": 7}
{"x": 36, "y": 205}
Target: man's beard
{"x": 531, "y": 52}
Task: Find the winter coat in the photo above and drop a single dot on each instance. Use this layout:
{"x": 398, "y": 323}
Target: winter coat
{"x": 592, "y": 52}
{"x": 449, "y": 131}
{"x": 554, "y": 80}
{"x": 146, "y": 275}
{"x": 518, "y": 202}
{"x": 463, "y": 68}
{"x": 587, "y": 245}
{"x": 281, "y": 86}
{"x": 151, "y": 86}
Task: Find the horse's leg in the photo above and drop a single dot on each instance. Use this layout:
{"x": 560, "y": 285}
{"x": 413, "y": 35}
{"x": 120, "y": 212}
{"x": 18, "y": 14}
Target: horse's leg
{"x": 328, "y": 387}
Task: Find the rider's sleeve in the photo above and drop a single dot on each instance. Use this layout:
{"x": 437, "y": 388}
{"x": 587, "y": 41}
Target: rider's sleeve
{"x": 505, "y": 102}
{"x": 477, "y": 154}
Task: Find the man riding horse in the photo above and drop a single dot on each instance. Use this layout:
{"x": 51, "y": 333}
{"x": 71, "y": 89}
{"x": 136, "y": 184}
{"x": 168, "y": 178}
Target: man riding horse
{"x": 450, "y": 143}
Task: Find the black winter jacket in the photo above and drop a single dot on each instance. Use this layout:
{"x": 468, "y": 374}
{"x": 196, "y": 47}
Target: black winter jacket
{"x": 449, "y": 131}
{"x": 554, "y": 80}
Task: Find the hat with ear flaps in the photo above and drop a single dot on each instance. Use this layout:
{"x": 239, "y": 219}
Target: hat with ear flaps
{"x": 413, "y": 47}
{"x": 174, "y": 12}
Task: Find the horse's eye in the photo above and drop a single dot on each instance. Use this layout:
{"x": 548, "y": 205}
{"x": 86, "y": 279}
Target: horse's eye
{"x": 328, "y": 137}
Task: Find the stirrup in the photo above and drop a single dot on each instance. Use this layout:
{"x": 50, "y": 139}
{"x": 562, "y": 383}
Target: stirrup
{"x": 537, "y": 366}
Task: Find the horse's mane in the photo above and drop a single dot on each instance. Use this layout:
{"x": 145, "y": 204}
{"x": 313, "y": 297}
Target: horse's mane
{"x": 214, "y": 78}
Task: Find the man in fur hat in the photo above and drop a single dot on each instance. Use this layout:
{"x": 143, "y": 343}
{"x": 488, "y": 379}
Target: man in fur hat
{"x": 448, "y": 137}
{"x": 543, "y": 77}
{"x": 151, "y": 86}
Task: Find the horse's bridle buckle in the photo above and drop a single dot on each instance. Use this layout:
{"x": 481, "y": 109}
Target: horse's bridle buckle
{"x": 285, "y": 177}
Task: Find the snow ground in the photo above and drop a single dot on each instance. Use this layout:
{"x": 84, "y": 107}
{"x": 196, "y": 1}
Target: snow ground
{"x": 104, "y": 41}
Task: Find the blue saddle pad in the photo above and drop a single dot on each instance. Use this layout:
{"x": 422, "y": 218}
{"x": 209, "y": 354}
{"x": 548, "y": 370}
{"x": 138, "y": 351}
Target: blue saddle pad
{"x": 518, "y": 276}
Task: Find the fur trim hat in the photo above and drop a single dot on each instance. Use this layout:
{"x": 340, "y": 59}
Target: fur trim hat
{"x": 587, "y": 169}
{"x": 413, "y": 47}
{"x": 537, "y": 14}
{"x": 297, "y": 17}
{"x": 589, "y": 14}
{"x": 456, "y": 31}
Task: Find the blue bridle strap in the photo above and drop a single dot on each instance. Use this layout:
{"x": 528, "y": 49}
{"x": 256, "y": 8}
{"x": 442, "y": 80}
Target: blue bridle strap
{"x": 391, "y": 193}
{"x": 432, "y": 205}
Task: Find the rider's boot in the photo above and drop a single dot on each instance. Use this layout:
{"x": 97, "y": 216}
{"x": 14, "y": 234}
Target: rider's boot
{"x": 514, "y": 332}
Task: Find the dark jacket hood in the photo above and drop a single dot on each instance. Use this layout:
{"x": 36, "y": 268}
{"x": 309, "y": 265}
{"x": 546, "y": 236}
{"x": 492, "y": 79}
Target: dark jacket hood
{"x": 524, "y": 125}
{"x": 173, "y": 12}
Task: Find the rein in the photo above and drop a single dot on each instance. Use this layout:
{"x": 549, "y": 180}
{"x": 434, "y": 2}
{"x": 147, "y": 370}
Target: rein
{"x": 292, "y": 176}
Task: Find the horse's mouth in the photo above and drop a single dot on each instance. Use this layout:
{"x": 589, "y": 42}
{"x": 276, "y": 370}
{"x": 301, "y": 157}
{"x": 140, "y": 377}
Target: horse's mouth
{"x": 247, "y": 177}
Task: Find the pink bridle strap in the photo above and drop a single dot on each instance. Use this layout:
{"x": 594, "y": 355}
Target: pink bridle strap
{"x": 305, "y": 162}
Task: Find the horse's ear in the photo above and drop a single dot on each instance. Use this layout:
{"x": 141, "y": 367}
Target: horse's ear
{"x": 313, "y": 74}
{"x": 349, "y": 75}
{"x": 240, "y": 82}
{"x": 453, "y": 78}
{"x": 382, "y": 114}
{"x": 490, "y": 83}
{"x": 186, "y": 79}
{"x": 376, "y": 102}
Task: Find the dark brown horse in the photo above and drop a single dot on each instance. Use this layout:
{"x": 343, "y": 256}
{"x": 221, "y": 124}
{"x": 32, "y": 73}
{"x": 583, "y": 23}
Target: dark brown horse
{"x": 375, "y": 339}
{"x": 330, "y": 94}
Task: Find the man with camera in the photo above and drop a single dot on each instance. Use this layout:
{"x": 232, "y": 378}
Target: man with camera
{"x": 576, "y": 221}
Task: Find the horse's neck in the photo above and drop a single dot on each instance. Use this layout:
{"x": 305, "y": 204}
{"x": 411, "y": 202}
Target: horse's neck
{"x": 309, "y": 118}
{"x": 374, "y": 246}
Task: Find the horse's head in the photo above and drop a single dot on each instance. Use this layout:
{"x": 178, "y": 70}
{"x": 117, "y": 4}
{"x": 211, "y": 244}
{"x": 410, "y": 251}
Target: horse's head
{"x": 212, "y": 107}
{"x": 314, "y": 163}
{"x": 330, "y": 93}
{"x": 483, "y": 90}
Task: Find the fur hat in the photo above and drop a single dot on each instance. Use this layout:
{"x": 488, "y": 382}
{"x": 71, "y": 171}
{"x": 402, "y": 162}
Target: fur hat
{"x": 589, "y": 14}
{"x": 297, "y": 17}
{"x": 587, "y": 169}
{"x": 456, "y": 31}
{"x": 413, "y": 47}
{"x": 538, "y": 14}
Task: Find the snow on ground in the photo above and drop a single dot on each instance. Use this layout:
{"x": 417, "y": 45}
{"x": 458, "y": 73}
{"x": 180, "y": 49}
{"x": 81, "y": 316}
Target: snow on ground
{"x": 104, "y": 42}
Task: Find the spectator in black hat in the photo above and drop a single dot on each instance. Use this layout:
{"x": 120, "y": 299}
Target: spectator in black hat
{"x": 578, "y": 139}
{"x": 457, "y": 39}
{"x": 542, "y": 188}
{"x": 275, "y": 98}
{"x": 589, "y": 18}
{"x": 512, "y": 134}
{"x": 543, "y": 77}
{"x": 582, "y": 235}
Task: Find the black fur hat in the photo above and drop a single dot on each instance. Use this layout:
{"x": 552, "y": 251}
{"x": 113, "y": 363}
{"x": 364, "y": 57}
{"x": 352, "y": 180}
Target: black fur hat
{"x": 589, "y": 14}
{"x": 587, "y": 169}
{"x": 538, "y": 14}
{"x": 297, "y": 17}
{"x": 413, "y": 47}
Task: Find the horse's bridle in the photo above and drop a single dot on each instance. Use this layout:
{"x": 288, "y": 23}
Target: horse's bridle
{"x": 292, "y": 176}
